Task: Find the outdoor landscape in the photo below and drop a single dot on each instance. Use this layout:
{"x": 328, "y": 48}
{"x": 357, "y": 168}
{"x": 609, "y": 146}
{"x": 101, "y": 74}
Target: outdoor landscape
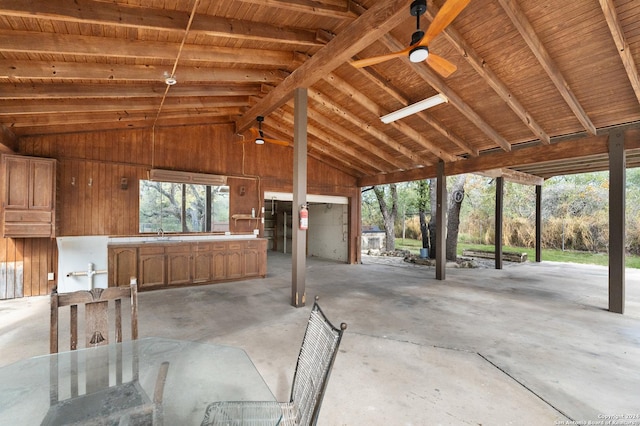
{"x": 575, "y": 216}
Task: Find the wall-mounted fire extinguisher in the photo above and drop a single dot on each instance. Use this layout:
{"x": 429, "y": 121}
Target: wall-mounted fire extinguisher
{"x": 304, "y": 217}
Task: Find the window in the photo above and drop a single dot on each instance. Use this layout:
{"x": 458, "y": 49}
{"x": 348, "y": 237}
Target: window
{"x": 183, "y": 207}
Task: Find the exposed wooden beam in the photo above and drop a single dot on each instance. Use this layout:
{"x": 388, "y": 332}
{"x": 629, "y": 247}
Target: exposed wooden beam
{"x": 63, "y": 90}
{"x": 324, "y": 100}
{"x": 335, "y": 9}
{"x": 529, "y": 35}
{"x": 136, "y": 104}
{"x": 456, "y": 101}
{"x": 609, "y": 10}
{"x": 567, "y": 150}
{"x": 483, "y": 69}
{"x": 378, "y": 20}
{"x": 41, "y": 70}
{"x": 119, "y": 15}
{"x": 61, "y": 44}
{"x": 368, "y": 149}
{"x": 87, "y": 119}
{"x": 376, "y": 110}
{"x": 513, "y": 176}
{"x": 369, "y": 165}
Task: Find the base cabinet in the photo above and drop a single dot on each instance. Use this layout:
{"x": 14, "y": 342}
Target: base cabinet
{"x": 160, "y": 265}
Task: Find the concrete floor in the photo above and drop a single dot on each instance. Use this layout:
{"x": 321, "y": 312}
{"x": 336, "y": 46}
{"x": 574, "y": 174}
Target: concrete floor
{"x": 532, "y": 344}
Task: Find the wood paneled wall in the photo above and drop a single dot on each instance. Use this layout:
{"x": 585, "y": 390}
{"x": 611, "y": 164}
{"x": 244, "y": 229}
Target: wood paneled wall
{"x": 90, "y": 200}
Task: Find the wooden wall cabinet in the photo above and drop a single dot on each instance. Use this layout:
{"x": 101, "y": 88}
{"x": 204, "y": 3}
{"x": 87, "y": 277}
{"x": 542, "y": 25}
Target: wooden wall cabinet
{"x": 28, "y": 197}
{"x": 160, "y": 265}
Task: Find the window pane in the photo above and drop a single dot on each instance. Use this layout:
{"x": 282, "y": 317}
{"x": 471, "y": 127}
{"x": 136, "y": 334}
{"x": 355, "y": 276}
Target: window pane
{"x": 178, "y": 207}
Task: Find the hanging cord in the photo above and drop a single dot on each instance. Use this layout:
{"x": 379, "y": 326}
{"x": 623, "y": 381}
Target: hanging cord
{"x": 173, "y": 73}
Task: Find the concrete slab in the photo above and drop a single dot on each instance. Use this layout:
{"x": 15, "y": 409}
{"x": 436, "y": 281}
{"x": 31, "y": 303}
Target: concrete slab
{"x": 529, "y": 344}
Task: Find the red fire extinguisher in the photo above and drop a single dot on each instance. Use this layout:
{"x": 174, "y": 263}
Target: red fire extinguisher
{"x": 304, "y": 217}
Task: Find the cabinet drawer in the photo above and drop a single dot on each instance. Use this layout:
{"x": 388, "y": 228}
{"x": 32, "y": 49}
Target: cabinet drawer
{"x": 27, "y": 216}
{"x": 235, "y": 245}
{"x": 151, "y": 250}
{"x": 177, "y": 248}
{"x": 198, "y": 247}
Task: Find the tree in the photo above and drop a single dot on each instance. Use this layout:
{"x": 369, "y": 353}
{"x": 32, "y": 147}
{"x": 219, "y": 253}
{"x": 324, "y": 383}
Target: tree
{"x": 389, "y": 215}
{"x": 423, "y": 200}
{"x": 453, "y": 216}
{"x": 433, "y": 188}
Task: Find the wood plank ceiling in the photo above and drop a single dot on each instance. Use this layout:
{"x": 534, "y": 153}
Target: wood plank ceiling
{"x": 529, "y": 74}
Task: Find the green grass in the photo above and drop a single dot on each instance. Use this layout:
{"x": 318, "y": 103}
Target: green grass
{"x": 547, "y": 254}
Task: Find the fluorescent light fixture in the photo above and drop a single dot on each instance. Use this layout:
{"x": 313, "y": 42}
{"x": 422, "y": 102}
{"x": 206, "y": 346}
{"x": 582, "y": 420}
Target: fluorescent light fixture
{"x": 414, "y": 108}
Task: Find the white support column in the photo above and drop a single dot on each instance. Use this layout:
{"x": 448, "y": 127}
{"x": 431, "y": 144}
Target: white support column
{"x": 299, "y": 243}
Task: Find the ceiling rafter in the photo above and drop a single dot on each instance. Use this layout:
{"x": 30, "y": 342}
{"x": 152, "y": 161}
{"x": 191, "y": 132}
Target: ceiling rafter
{"x": 276, "y": 129}
{"x": 423, "y": 115}
{"x": 337, "y": 9}
{"x": 65, "y": 44}
{"x": 366, "y": 146}
{"x": 378, "y": 20}
{"x": 43, "y": 70}
{"x": 611, "y": 15}
{"x": 67, "y": 106}
{"x": 339, "y": 152}
{"x": 119, "y": 15}
{"x": 454, "y": 99}
{"x": 51, "y": 91}
{"x": 528, "y": 33}
{"x": 483, "y": 69}
{"x": 321, "y": 98}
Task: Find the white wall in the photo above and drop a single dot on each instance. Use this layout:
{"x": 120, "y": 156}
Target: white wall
{"x": 328, "y": 231}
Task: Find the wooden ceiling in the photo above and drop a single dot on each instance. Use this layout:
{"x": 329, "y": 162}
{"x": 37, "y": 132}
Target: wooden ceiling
{"x": 541, "y": 77}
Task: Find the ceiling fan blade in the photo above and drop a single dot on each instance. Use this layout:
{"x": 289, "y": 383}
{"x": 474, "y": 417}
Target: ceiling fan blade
{"x": 361, "y": 63}
{"x": 441, "y": 65}
{"x": 254, "y": 132}
{"x": 445, "y": 16}
{"x": 276, "y": 142}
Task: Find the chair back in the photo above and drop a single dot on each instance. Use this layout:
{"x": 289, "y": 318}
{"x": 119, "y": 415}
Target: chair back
{"x": 315, "y": 361}
{"x": 97, "y": 304}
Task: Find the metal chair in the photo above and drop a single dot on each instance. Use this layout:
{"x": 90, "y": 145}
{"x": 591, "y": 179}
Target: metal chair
{"x": 92, "y": 398}
{"x": 315, "y": 361}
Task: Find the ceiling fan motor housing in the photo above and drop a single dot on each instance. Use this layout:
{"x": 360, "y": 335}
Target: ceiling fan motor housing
{"x": 418, "y": 7}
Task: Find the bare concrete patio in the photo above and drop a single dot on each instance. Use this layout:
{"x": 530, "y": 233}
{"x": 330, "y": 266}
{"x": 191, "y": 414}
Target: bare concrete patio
{"x": 529, "y": 344}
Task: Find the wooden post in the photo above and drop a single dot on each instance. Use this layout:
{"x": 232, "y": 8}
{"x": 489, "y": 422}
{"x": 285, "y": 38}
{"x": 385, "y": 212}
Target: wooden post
{"x": 499, "y": 214}
{"x": 538, "y": 223}
{"x": 441, "y": 222}
{"x": 617, "y": 178}
{"x": 299, "y": 243}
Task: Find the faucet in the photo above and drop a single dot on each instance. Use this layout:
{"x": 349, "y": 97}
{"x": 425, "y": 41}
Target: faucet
{"x": 160, "y": 232}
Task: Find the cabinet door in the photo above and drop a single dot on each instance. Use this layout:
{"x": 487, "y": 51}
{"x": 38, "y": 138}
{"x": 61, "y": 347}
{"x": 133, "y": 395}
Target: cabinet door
{"x": 16, "y": 183}
{"x": 123, "y": 264}
{"x": 41, "y": 184}
{"x": 178, "y": 264}
{"x": 255, "y": 258}
{"x": 234, "y": 260}
{"x": 219, "y": 262}
{"x": 151, "y": 267}
{"x": 202, "y": 256}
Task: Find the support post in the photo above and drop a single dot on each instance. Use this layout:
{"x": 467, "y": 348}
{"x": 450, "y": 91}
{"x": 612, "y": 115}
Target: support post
{"x": 499, "y": 215}
{"x": 441, "y": 222}
{"x": 538, "y": 223}
{"x": 299, "y": 243}
{"x": 617, "y": 183}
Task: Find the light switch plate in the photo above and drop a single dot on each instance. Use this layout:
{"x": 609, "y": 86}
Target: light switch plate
{"x": 51, "y": 276}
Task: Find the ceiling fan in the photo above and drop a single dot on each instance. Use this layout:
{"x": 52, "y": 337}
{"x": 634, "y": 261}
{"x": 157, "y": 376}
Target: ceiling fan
{"x": 258, "y": 135}
{"x": 418, "y": 51}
